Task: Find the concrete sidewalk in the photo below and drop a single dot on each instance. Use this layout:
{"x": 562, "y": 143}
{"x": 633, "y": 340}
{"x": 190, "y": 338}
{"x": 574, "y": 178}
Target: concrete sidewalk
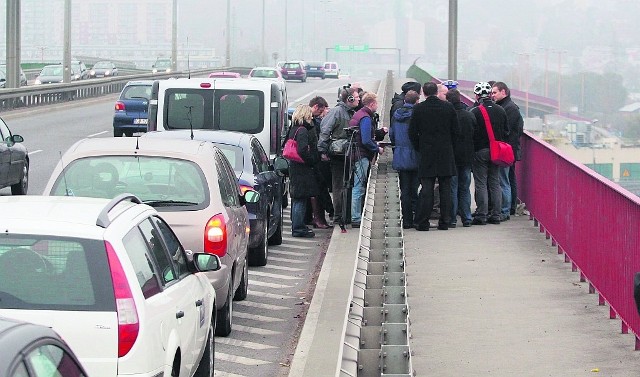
{"x": 499, "y": 300}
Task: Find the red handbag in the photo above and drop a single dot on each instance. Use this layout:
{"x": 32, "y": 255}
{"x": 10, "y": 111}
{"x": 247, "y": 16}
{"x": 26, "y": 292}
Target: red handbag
{"x": 500, "y": 151}
{"x": 290, "y": 151}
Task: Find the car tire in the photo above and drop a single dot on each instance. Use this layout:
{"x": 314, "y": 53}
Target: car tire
{"x": 128, "y": 134}
{"x": 22, "y": 186}
{"x": 205, "y": 367}
{"x": 276, "y": 237}
{"x": 243, "y": 288}
{"x": 224, "y": 316}
{"x": 258, "y": 255}
{"x": 117, "y": 133}
{"x": 323, "y": 77}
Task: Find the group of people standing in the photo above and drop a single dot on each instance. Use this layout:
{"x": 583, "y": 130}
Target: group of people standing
{"x": 441, "y": 142}
{"x": 352, "y": 123}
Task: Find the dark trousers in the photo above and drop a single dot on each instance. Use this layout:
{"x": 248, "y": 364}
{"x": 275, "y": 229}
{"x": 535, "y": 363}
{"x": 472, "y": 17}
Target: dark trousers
{"x": 514, "y": 187}
{"x": 409, "y": 183}
{"x": 323, "y": 186}
{"x": 425, "y": 201}
{"x": 341, "y": 190}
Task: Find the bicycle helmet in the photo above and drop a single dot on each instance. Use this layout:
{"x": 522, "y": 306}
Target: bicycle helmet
{"x": 482, "y": 89}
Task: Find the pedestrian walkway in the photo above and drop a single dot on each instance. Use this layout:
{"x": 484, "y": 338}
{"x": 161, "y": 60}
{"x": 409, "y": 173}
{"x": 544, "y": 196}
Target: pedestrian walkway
{"x": 498, "y": 300}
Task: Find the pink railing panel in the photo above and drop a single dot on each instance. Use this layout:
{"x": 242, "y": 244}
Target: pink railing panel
{"x": 593, "y": 220}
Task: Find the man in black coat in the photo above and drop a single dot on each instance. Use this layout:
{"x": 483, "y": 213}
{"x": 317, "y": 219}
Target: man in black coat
{"x": 432, "y": 129}
{"x": 398, "y": 99}
{"x": 485, "y": 173}
{"x": 464, "y": 153}
{"x": 502, "y": 95}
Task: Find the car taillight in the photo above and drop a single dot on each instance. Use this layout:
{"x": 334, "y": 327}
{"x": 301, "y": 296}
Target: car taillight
{"x": 128, "y": 324}
{"x": 245, "y": 188}
{"x": 215, "y": 236}
{"x": 119, "y": 106}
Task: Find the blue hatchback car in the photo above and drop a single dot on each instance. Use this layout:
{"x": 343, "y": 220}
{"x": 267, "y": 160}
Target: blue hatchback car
{"x": 131, "y": 114}
{"x": 254, "y": 172}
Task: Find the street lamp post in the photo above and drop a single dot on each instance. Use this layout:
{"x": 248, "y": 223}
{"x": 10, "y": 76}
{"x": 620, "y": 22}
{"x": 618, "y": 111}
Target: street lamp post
{"x": 453, "y": 39}
{"x": 262, "y": 54}
{"x": 228, "y": 36}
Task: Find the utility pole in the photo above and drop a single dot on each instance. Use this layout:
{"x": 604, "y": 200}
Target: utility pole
{"x": 286, "y": 27}
{"x": 453, "y": 39}
{"x": 67, "y": 42}
{"x": 174, "y": 37}
{"x": 262, "y": 54}
{"x": 13, "y": 44}
{"x": 560, "y": 52}
{"x": 228, "y": 35}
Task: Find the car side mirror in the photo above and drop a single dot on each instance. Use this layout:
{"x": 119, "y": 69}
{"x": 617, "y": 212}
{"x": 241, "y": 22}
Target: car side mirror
{"x": 205, "y": 262}
{"x": 281, "y": 166}
{"x": 250, "y": 196}
{"x": 17, "y": 138}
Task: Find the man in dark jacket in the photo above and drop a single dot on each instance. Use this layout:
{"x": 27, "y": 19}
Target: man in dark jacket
{"x": 432, "y": 129}
{"x": 398, "y": 99}
{"x": 463, "y": 151}
{"x": 485, "y": 173}
{"x": 405, "y": 158}
{"x": 502, "y": 95}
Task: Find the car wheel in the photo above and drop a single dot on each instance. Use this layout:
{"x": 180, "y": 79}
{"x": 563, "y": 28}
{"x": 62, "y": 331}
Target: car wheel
{"x": 258, "y": 254}
{"x": 323, "y": 77}
{"x": 21, "y": 187}
{"x": 243, "y": 288}
{"x": 205, "y": 367}
{"x": 129, "y": 134}
{"x": 117, "y": 133}
{"x": 276, "y": 238}
{"x": 224, "y": 316}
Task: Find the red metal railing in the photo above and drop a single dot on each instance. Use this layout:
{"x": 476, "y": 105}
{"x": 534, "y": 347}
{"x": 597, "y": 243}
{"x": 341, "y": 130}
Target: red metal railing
{"x": 594, "y": 222}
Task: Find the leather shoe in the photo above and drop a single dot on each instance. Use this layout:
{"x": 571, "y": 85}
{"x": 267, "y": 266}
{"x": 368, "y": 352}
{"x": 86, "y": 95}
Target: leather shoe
{"x": 422, "y": 228}
{"x": 477, "y": 221}
{"x": 308, "y": 234}
{"x": 466, "y": 224}
{"x": 407, "y": 226}
{"x": 493, "y": 220}
{"x": 443, "y": 227}
{"x": 355, "y": 225}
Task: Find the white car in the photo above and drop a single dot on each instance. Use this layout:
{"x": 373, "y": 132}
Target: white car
{"x": 113, "y": 280}
{"x": 331, "y": 69}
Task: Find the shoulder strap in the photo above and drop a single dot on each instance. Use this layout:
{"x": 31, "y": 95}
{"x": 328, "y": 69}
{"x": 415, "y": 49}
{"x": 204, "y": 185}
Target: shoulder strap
{"x": 487, "y": 122}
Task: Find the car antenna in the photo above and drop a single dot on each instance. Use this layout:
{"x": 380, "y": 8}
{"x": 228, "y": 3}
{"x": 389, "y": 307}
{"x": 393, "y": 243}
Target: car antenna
{"x": 64, "y": 176}
{"x": 137, "y": 142}
{"x": 189, "y": 118}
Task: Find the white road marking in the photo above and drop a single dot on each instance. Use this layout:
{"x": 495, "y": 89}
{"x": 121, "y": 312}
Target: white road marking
{"x": 34, "y": 152}
{"x": 255, "y": 317}
{"x": 299, "y": 247}
{"x": 260, "y": 294}
{"x": 260, "y": 306}
{"x": 275, "y": 276}
{"x": 254, "y": 330}
{"x": 242, "y": 343}
{"x": 240, "y": 359}
{"x": 282, "y": 268}
{"x": 289, "y": 253}
{"x": 218, "y": 373}
{"x": 285, "y": 260}
{"x": 254, "y": 282}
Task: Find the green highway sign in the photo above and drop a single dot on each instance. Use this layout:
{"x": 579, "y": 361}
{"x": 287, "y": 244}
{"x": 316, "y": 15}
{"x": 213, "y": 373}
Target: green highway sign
{"x": 353, "y": 48}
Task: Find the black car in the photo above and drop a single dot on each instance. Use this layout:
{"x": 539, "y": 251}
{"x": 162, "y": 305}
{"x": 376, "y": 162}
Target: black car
{"x": 131, "y": 114}
{"x": 315, "y": 69}
{"x": 14, "y": 161}
{"x": 254, "y": 172}
{"x": 30, "y": 350}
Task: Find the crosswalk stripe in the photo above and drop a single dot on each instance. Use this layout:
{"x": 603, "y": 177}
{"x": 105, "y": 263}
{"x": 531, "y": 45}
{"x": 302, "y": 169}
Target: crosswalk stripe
{"x": 296, "y": 247}
{"x": 285, "y": 260}
{"x": 275, "y": 276}
{"x": 260, "y": 305}
{"x": 218, "y": 373}
{"x": 255, "y": 317}
{"x": 269, "y": 295}
{"x": 254, "y": 282}
{"x": 240, "y": 359}
{"x": 282, "y": 268}
{"x": 254, "y": 330}
{"x": 300, "y": 239}
{"x": 289, "y": 253}
{"x": 242, "y": 343}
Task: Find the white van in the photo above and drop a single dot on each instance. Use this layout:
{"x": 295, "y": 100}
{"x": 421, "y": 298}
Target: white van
{"x": 254, "y": 106}
{"x": 331, "y": 69}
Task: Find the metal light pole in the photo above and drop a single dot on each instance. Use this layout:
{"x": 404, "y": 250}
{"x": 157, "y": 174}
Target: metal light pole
{"x": 286, "y": 26}
{"x": 174, "y": 37}
{"x": 262, "y": 55}
{"x": 67, "y": 42}
{"x": 228, "y": 35}
{"x": 13, "y": 44}
{"x": 453, "y": 39}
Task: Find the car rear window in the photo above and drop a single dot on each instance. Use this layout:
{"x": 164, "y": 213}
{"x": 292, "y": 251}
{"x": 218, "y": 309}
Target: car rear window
{"x": 136, "y": 91}
{"x": 292, "y": 65}
{"x": 54, "y": 273}
{"x": 233, "y": 153}
{"x": 161, "y": 182}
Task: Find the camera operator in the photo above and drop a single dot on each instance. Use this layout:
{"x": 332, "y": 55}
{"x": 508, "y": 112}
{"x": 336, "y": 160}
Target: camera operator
{"x": 364, "y": 150}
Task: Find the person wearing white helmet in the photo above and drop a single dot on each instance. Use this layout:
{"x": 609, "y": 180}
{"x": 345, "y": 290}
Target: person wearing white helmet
{"x": 486, "y": 174}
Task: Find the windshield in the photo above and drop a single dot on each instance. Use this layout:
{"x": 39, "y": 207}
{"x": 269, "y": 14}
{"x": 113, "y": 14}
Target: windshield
{"x": 233, "y": 153}
{"x": 264, "y": 73}
{"x": 150, "y": 178}
{"x": 51, "y": 71}
{"x": 102, "y": 65}
{"x": 163, "y": 64}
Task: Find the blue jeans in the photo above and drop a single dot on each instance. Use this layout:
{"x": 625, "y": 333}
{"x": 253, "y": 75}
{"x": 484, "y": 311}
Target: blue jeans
{"x": 409, "y": 183}
{"x": 361, "y": 168}
{"x": 461, "y": 195}
{"x": 298, "y": 209}
{"x": 506, "y": 190}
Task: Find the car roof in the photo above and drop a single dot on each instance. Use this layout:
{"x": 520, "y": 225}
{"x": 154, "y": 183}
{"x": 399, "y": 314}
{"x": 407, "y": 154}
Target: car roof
{"x": 216, "y": 136}
{"x": 15, "y": 335}
{"x": 55, "y": 215}
{"x": 140, "y": 82}
{"x": 185, "y": 149}
{"x": 216, "y": 83}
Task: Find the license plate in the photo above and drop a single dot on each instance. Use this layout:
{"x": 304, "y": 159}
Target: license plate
{"x": 291, "y": 72}
{"x": 314, "y": 69}
{"x": 140, "y": 121}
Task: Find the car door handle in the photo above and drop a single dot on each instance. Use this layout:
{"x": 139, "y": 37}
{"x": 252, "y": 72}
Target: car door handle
{"x": 180, "y": 314}
{"x": 199, "y": 303}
